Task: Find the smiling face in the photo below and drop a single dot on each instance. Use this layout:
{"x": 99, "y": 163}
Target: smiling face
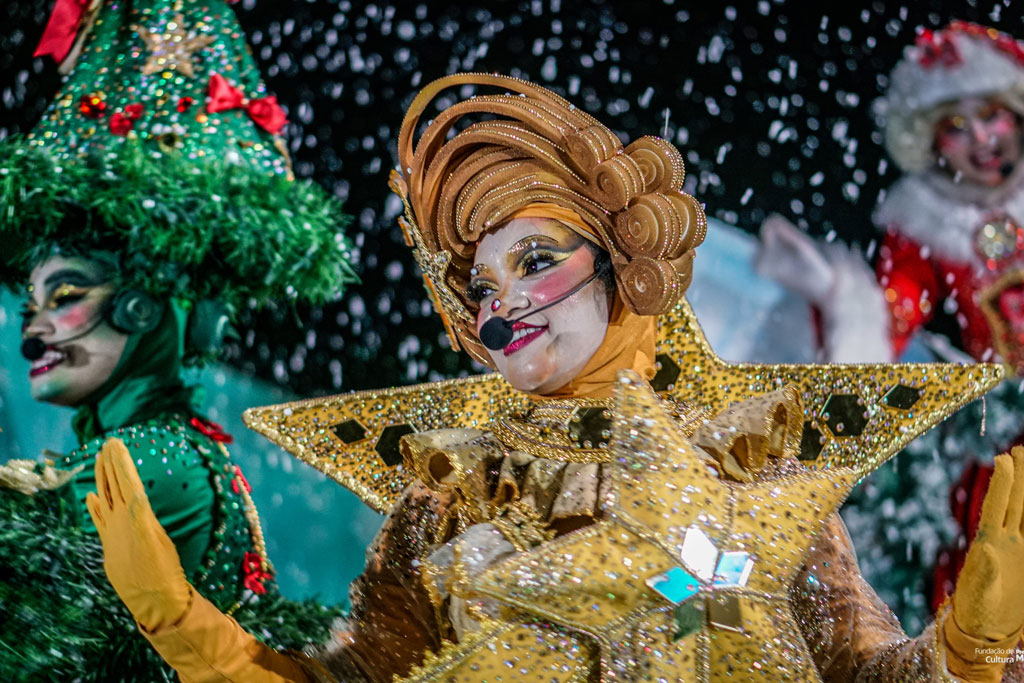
{"x": 979, "y": 141}
{"x": 525, "y": 264}
{"x": 68, "y": 297}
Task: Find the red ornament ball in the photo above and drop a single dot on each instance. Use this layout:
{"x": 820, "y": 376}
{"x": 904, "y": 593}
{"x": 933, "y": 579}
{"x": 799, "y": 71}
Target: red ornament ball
{"x": 92, "y": 106}
{"x": 184, "y": 104}
{"x": 134, "y": 111}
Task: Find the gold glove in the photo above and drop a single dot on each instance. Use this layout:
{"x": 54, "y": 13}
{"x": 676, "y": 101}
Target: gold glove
{"x": 138, "y": 555}
{"x": 988, "y": 603}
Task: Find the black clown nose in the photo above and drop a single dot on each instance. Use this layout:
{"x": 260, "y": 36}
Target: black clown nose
{"x": 496, "y": 333}
{"x": 33, "y": 348}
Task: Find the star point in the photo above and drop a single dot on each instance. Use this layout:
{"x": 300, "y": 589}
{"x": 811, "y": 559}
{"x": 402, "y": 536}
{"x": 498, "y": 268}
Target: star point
{"x": 173, "y": 48}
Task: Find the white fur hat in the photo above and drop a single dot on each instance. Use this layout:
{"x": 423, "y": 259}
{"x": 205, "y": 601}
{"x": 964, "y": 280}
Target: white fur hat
{"x": 962, "y": 60}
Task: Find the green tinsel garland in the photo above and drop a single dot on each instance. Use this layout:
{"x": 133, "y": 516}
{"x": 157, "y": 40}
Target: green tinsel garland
{"x": 188, "y": 228}
{"x": 62, "y": 621}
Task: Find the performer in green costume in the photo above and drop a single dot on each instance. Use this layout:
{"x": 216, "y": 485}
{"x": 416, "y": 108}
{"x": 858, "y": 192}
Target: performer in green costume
{"x": 153, "y": 202}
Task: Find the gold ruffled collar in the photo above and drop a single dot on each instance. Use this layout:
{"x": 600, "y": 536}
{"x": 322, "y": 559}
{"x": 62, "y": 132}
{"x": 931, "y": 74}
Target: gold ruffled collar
{"x": 577, "y": 429}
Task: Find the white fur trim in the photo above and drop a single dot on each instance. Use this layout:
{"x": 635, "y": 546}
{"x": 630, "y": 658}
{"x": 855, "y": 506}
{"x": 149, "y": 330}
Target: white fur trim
{"x": 934, "y": 219}
{"x": 854, "y": 313}
{"x": 984, "y": 69}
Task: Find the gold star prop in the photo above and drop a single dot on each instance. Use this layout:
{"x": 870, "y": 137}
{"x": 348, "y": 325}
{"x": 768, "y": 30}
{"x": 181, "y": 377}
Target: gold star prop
{"x": 687, "y": 577}
{"x": 173, "y": 48}
{"x": 554, "y": 656}
{"x": 854, "y": 415}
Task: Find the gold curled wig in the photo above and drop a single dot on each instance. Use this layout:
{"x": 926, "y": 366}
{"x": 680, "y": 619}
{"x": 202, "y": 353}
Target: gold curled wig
{"x": 532, "y": 147}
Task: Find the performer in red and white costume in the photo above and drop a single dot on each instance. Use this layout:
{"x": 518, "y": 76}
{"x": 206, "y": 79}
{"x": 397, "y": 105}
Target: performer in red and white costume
{"x": 953, "y": 241}
{"x": 953, "y": 224}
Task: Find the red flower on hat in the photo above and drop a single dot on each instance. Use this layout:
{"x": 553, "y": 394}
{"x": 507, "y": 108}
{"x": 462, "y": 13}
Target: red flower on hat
{"x": 120, "y": 124}
{"x": 937, "y": 48}
{"x": 1003, "y": 42}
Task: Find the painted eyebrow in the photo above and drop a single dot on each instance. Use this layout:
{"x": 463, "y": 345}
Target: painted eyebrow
{"x": 516, "y": 251}
{"x": 70, "y": 276}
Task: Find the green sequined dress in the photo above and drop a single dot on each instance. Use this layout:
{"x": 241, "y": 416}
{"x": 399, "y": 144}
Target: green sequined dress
{"x": 63, "y": 621}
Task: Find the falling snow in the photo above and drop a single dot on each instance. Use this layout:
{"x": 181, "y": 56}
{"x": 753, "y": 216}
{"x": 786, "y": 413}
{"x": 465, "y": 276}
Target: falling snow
{"x": 770, "y": 102}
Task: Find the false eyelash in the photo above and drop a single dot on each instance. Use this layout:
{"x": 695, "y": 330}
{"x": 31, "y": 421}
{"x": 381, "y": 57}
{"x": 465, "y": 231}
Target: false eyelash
{"x": 475, "y": 292}
{"x": 69, "y": 299}
{"x": 534, "y": 257}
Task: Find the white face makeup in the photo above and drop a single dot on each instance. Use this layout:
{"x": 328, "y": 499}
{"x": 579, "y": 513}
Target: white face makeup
{"x": 523, "y": 265}
{"x": 68, "y": 297}
{"x": 979, "y": 141}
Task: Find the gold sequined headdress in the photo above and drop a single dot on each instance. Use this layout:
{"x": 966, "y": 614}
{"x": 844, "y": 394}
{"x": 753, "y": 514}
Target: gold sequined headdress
{"x": 535, "y": 147}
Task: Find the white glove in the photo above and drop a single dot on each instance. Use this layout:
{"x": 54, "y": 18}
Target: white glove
{"x": 838, "y": 281}
{"x": 789, "y": 256}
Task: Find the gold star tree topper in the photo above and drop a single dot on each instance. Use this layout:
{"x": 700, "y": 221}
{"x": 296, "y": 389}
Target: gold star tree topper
{"x": 172, "y": 48}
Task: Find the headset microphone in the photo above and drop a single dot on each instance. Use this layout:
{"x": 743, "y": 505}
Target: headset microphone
{"x": 129, "y": 311}
{"x": 496, "y": 333}
{"x": 35, "y": 348}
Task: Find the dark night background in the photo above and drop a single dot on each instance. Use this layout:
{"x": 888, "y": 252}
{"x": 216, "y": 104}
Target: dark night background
{"x": 769, "y": 101}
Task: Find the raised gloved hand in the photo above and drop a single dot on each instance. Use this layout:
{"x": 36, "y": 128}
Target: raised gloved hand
{"x": 792, "y": 258}
{"x": 988, "y": 603}
{"x": 140, "y": 560}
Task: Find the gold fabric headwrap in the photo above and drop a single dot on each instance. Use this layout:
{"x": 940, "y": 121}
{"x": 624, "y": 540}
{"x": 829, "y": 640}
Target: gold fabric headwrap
{"x": 629, "y": 344}
{"x": 536, "y": 148}
{"x": 566, "y": 217}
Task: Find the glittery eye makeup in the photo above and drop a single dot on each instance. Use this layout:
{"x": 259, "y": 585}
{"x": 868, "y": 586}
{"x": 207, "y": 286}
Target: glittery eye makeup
{"x": 60, "y": 290}
{"x": 65, "y": 295}
{"x": 539, "y": 259}
{"x": 527, "y": 257}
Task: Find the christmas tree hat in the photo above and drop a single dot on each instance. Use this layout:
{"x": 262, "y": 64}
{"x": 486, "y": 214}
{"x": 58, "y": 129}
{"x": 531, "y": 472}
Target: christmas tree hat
{"x": 164, "y": 148}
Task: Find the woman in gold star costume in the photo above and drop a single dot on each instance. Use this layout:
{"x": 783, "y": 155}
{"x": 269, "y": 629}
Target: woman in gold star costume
{"x": 590, "y": 529}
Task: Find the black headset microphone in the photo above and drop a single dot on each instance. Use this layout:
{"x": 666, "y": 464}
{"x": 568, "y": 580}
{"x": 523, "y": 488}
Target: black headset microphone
{"x": 496, "y": 333}
{"x": 129, "y": 311}
{"x": 34, "y": 348}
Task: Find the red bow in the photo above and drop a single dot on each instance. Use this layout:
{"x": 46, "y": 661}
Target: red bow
{"x": 211, "y": 429}
{"x": 265, "y": 111}
{"x": 61, "y": 29}
{"x": 252, "y": 567}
